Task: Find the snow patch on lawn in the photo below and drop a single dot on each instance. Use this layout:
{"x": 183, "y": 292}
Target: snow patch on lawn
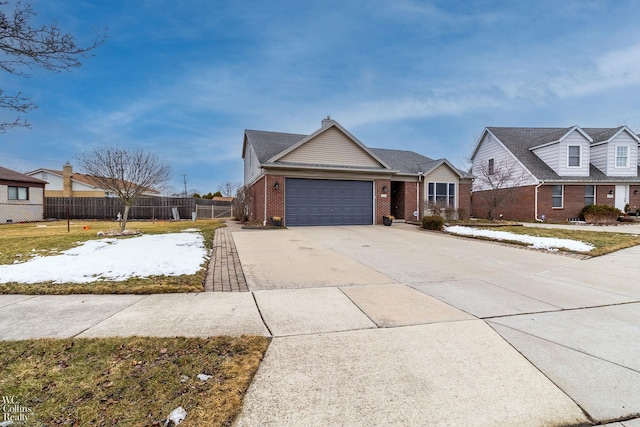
{"x": 549, "y": 243}
{"x": 171, "y": 254}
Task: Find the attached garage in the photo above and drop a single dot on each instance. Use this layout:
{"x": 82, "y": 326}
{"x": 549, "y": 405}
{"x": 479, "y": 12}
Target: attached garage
{"x": 328, "y": 202}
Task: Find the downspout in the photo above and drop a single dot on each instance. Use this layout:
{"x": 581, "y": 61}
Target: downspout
{"x": 536, "y": 201}
{"x": 264, "y": 222}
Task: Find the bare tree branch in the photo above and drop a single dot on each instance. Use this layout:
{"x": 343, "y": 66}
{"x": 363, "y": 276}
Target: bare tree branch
{"x": 497, "y": 183}
{"x": 127, "y": 174}
{"x": 24, "y": 48}
{"x": 228, "y": 188}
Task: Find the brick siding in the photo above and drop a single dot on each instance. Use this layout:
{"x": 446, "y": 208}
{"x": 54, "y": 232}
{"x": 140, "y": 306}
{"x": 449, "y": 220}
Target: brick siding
{"x": 383, "y": 204}
{"x": 519, "y": 206}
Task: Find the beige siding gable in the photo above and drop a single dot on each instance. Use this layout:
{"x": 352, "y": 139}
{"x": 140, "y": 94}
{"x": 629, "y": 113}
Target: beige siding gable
{"x": 442, "y": 173}
{"x": 331, "y": 147}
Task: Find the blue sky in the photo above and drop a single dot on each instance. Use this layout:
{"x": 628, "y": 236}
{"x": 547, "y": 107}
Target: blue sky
{"x": 185, "y": 78}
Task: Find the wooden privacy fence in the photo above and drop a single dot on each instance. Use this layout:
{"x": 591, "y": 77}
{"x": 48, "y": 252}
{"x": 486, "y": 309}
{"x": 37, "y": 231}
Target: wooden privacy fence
{"x": 109, "y": 207}
{"x": 214, "y": 211}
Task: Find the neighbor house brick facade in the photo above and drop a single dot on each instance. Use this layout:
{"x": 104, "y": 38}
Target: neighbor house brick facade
{"x": 553, "y": 173}
{"x": 331, "y": 178}
{"x": 21, "y": 197}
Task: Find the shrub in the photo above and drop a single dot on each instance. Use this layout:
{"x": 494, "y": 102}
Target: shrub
{"x": 600, "y": 214}
{"x": 433, "y": 222}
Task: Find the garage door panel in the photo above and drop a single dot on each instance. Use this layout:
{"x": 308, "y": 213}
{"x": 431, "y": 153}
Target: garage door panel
{"x": 328, "y": 202}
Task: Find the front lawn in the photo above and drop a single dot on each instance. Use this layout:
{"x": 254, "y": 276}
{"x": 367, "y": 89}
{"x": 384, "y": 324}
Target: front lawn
{"x": 127, "y": 381}
{"x": 603, "y": 242}
{"x": 20, "y": 242}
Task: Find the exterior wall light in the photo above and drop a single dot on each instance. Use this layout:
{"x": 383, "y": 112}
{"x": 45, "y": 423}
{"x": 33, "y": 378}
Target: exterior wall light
{"x": 610, "y": 191}
{"x": 276, "y": 186}
{"x": 384, "y": 189}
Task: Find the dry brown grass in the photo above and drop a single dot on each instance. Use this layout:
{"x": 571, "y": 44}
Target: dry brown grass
{"x": 50, "y": 238}
{"x": 129, "y": 381}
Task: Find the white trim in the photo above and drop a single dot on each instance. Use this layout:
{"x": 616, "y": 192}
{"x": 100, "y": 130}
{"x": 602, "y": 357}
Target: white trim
{"x": 455, "y": 195}
{"x": 579, "y": 156}
{"x": 563, "y": 137}
{"x": 561, "y": 197}
{"x": 615, "y": 156}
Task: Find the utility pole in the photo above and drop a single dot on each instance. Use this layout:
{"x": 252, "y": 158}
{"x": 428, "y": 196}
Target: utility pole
{"x": 184, "y": 176}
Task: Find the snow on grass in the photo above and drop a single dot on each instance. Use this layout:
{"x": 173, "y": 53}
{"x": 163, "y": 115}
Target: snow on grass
{"x": 171, "y": 254}
{"x": 549, "y": 243}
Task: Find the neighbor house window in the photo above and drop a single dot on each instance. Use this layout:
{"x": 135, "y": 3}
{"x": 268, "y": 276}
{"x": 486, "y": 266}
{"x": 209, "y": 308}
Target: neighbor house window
{"x": 622, "y": 156}
{"x": 442, "y": 193}
{"x": 18, "y": 193}
{"x": 574, "y": 156}
{"x": 589, "y": 195}
{"x": 556, "y": 196}
{"x": 491, "y": 167}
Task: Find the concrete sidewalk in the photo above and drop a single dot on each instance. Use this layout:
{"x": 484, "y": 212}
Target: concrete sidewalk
{"x": 446, "y": 331}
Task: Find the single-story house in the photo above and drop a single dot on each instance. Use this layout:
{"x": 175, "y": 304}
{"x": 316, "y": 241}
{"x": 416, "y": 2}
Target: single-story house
{"x": 552, "y": 173}
{"x": 331, "y": 178}
{"x": 67, "y": 183}
{"x": 21, "y": 197}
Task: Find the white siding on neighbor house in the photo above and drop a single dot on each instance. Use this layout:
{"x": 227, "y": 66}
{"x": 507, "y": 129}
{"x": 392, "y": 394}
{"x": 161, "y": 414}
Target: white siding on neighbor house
{"x": 598, "y": 157}
{"x": 574, "y": 138}
{"x": 54, "y": 182}
{"x": 251, "y": 165}
{"x": 490, "y": 148}
{"x": 21, "y": 210}
{"x": 331, "y": 147}
{"x": 550, "y": 154}
{"x": 623, "y": 139}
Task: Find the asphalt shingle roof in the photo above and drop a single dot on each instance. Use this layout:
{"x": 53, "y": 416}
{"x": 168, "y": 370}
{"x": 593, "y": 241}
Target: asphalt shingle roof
{"x": 268, "y": 144}
{"x": 520, "y": 140}
{"x": 11, "y": 175}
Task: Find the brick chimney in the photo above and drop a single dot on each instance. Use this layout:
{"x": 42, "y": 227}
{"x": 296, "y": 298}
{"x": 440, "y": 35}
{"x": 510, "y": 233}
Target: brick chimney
{"x": 67, "y": 172}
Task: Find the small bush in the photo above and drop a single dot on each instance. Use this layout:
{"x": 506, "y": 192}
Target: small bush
{"x": 600, "y": 214}
{"x": 433, "y": 222}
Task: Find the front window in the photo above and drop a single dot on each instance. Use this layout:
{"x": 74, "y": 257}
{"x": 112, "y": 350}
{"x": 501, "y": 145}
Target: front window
{"x": 622, "y": 156}
{"x": 589, "y": 195}
{"x": 442, "y": 193}
{"x": 18, "y": 193}
{"x": 556, "y": 197}
{"x": 491, "y": 167}
{"x": 574, "y": 156}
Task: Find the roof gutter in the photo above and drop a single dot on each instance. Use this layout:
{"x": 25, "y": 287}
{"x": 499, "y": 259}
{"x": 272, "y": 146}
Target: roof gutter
{"x": 535, "y": 207}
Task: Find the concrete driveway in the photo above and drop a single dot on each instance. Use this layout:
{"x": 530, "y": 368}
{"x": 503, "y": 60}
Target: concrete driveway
{"x": 392, "y": 325}
{"x": 377, "y": 325}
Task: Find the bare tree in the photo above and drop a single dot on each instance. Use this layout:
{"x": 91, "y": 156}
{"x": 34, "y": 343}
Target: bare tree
{"x": 25, "y": 47}
{"x": 228, "y": 188}
{"x": 242, "y": 202}
{"x": 497, "y": 181}
{"x": 128, "y": 174}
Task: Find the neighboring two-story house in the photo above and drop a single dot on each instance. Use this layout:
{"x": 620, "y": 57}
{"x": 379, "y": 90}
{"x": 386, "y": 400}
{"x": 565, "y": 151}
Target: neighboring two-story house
{"x": 331, "y": 178}
{"x": 21, "y": 197}
{"x": 552, "y": 173}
